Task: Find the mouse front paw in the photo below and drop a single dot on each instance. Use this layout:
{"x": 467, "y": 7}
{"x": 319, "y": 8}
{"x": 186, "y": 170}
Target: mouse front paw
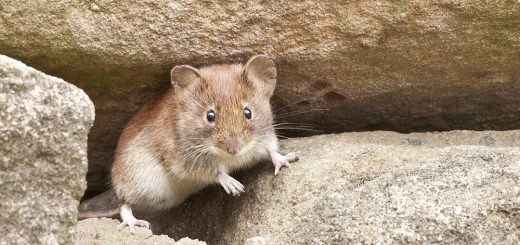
{"x": 280, "y": 160}
{"x": 231, "y": 185}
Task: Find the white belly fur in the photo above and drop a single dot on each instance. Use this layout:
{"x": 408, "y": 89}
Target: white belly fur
{"x": 148, "y": 184}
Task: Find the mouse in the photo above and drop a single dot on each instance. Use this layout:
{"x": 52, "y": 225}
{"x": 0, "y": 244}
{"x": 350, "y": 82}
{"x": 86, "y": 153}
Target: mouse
{"x": 212, "y": 121}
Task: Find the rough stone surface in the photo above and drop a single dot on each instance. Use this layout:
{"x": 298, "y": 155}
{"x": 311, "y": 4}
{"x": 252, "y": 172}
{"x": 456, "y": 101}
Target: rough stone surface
{"x": 459, "y": 187}
{"x": 378, "y": 64}
{"x": 103, "y": 231}
{"x": 341, "y": 193}
{"x": 44, "y": 122}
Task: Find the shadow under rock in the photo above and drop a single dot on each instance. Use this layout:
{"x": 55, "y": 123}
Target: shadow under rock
{"x": 202, "y": 216}
{"x": 197, "y": 218}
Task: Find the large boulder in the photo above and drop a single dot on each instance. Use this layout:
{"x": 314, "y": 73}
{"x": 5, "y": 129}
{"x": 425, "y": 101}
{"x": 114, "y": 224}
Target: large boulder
{"x": 372, "y": 188}
{"x": 377, "y": 64}
{"x": 44, "y": 122}
{"x": 342, "y": 193}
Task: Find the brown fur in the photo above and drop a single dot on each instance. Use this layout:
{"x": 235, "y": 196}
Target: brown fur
{"x": 189, "y": 148}
{"x": 150, "y": 118}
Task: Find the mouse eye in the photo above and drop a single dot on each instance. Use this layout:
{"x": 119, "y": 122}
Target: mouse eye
{"x": 210, "y": 116}
{"x": 247, "y": 113}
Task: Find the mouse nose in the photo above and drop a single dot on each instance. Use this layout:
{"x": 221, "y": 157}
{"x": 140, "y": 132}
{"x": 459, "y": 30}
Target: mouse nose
{"x": 233, "y": 146}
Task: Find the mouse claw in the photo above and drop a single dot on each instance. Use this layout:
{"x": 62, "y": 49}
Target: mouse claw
{"x": 133, "y": 223}
{"x": 122, "y": 225}
{"x": 130, "y": 221}
{"x": 230, "y": 185}
{"x": 280, "y": 160}
{"x": 278, "y": 166}
{"x": 292, "y": 157}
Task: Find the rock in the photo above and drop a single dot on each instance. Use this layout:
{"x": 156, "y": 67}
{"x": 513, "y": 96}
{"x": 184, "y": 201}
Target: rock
{"x": 44, "y": 122}
{"x": 343, "y": 65}
{"x": 342, "y": 191}
{"x": 103, "y": 231}
{"x": 258, "y": 240}
{"x": 199, "y": 217}
{"x": 369, "y": 188}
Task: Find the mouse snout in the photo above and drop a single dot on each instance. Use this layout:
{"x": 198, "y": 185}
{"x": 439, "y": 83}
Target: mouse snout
{"x": 233, "y": 146}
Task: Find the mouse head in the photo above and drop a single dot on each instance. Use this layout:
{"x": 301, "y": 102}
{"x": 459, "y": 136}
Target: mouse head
{"x": 224, "y": 109}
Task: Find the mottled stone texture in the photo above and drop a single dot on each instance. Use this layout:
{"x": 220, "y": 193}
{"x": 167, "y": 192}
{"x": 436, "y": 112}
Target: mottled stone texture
{"x": 460, "y": 187}
{"x": 103, "y": 231}
{"x": 342, "y": 193}
{"x": 377, "y": 64}
{"x": 44, "y": 122}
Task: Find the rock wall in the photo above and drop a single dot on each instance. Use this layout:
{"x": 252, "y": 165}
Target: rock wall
{"x": 343, "y": 65}
{"x": 457, "y": 187}
{"x": 44, "y": 122}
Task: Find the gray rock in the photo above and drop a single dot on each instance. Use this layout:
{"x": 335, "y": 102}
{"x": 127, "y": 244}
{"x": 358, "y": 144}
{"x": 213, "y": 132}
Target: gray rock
{"x": 376, "y": 64}
{"x": 342, "y": 192}
{"x": 103, "y": 231}
{"x": 370, "y": 188}
{"x": 44, "y": 122}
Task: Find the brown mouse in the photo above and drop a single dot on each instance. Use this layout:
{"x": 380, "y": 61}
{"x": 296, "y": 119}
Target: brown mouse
{"x": 213, "y": 120}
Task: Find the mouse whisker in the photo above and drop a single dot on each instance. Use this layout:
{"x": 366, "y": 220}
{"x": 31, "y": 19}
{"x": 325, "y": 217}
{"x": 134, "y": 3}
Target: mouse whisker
{"x": 294, "y": 113}
{"x": 295, "y": 124}
{"x": 290, "y": 104}
{"x": 281, "y": 136}
{"x": 301, "y": 129}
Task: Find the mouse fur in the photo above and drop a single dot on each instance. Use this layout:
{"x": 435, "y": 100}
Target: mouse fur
{"x": 211, "y": 122}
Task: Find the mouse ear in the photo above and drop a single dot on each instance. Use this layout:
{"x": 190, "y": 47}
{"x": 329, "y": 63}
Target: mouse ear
{"x": 184, "y": 76}
{"x": 260, "y": 72}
